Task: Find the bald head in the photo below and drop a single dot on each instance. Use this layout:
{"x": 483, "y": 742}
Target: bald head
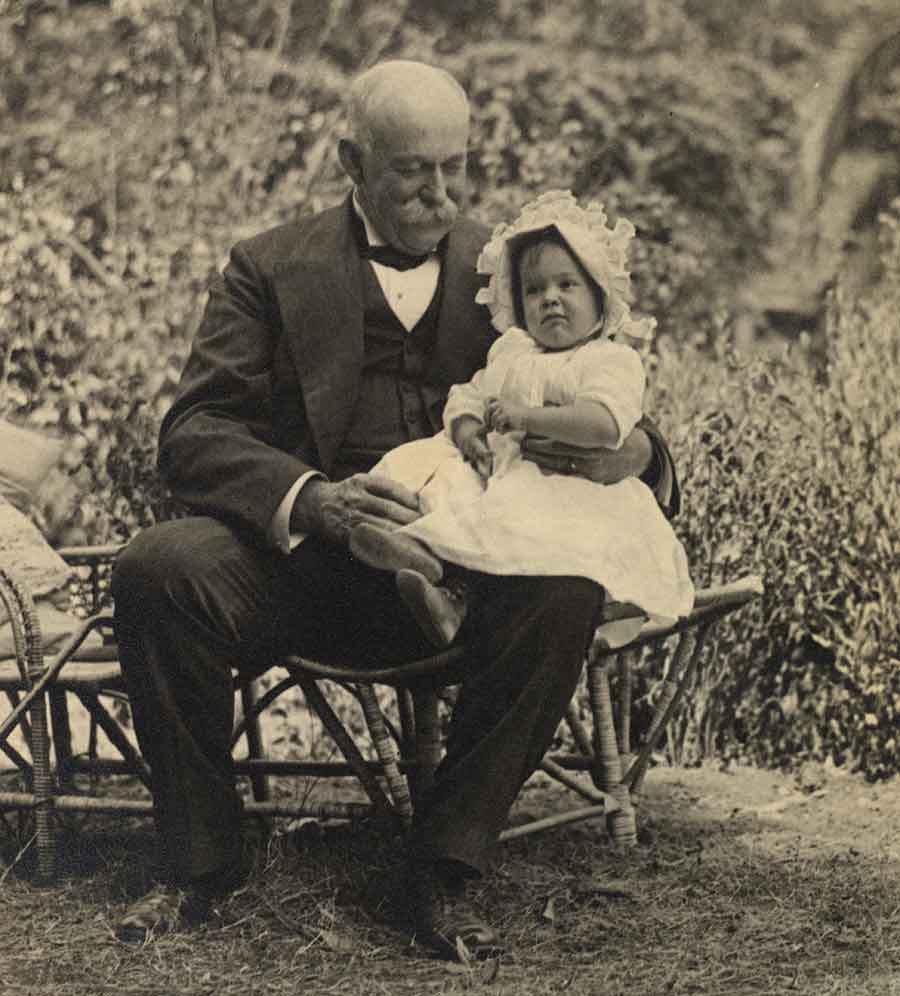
{"x": 406, "y": 151}
{"x": 399, "y": 93}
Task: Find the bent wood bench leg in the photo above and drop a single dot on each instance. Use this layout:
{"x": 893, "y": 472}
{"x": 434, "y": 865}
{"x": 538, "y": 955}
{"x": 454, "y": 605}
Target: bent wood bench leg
{"x": 319, "y": 704}
{"x": 387, "y": 752}
{"x": 253, "y": 736}
{"x": 406, "y": 711}
{"x": 30, "y": 657}
{"x": 253, "y": 710}
{"x": 20, "y": 763}
{"x": 23, "y": 724}
{"x": 579, "y": 733}
{"x": 100, "y": 717}
{"x": 684, "y": 663}
{"x": 626, "y": 662}
{"x": 62, "y": 737}
{"x": 428, "y": 739}
{"x": 607, "y": 769}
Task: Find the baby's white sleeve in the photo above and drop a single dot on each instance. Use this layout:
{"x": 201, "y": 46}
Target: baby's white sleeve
{"x": 469, "y": 398}
{"x": 465, "y": 399}
{"x": 612, "y": 374}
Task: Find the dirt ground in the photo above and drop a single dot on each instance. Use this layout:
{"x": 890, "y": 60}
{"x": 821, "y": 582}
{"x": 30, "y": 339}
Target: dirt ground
{"x": 820, "y": 809}
{"x": 743, "y": 883}
{"x": 823, "y": 823}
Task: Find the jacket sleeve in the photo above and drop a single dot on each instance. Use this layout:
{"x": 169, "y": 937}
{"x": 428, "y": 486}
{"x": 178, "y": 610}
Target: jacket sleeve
{"x": 660, "y": 475}
{"x": 216, "y": 449}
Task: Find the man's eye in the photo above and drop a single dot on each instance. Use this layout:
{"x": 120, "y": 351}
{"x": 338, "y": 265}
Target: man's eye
{"x": 532, "y": 289}
{"x": 408, "y": 169}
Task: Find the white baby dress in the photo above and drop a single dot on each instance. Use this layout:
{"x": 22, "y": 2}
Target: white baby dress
{"x": 527, "y": 521}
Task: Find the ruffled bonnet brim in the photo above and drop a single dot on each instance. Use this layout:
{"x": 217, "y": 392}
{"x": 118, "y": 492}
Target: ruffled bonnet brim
{"x": 601, "y": 250}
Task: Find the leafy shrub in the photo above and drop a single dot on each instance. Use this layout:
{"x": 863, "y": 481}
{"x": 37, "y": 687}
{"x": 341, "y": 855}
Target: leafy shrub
{"x": 75, "y": 361}
{"x": 790, "y": 472}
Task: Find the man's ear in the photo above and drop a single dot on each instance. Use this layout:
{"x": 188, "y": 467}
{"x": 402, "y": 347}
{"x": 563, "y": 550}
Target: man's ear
{"x": 350, "y": 156}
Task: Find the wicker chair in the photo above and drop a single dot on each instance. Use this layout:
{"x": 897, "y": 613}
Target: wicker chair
{"x": 406, "y": 753}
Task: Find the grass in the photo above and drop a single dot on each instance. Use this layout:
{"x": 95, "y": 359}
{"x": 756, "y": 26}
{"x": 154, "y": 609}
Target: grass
{"x": 704, "y": 905}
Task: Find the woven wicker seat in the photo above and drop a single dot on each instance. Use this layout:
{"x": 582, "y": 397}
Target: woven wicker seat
{"x": 603, "y": 770}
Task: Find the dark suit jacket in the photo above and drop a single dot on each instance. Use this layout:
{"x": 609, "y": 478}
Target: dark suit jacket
{"x": 269, "y": 387}
{"x": 274, "y": 371}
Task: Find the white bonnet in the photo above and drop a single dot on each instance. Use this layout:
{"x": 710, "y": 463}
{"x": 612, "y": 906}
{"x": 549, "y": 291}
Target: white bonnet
{"x": 601, "y": 250}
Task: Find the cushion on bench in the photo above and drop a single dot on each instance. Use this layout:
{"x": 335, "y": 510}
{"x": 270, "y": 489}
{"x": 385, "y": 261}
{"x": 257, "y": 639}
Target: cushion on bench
{"x": 30, "y": 560}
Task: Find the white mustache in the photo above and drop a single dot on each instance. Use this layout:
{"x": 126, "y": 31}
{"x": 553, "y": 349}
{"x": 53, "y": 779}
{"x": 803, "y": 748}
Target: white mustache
{"x": 418, "y": 214}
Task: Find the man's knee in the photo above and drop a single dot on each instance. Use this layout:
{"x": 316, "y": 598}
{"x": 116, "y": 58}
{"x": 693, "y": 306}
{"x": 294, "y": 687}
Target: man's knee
{"x": 143, "y": 565}
{"x": 196, "y": 572}
{"x": 166, "y": 558}
{"x": 570, "y": 598}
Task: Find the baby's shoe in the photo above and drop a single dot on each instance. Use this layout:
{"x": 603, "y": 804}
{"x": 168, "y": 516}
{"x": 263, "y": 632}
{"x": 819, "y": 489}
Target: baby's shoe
{"x": 438, "y": 609}
{"x": 392, "y": 551}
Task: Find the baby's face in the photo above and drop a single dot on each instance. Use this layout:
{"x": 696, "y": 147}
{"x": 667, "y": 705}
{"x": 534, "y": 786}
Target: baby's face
{"x": 558, "y": 303}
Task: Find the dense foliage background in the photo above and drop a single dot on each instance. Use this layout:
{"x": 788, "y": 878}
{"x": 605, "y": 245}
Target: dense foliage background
{"x": 143, "y": 137}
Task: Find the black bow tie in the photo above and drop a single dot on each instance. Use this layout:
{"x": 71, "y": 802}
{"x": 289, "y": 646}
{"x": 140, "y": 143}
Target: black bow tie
{"x": 389, "y": 256}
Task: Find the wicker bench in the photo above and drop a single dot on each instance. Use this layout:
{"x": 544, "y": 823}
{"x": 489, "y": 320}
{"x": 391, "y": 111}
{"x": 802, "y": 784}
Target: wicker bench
{"x": 603, "y": 769}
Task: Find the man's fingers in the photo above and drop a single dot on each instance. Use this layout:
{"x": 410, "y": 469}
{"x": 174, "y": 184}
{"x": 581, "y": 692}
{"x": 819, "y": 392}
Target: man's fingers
{"x": 395, "y": 503}
{"x": 548, "y": 461}
{"x": 543, "y": 444}
{"x": 594, "y": 466}
{"x": 384, "y": 487}
{"x": 388, "y": 525}
{"x": 386, "y": 511}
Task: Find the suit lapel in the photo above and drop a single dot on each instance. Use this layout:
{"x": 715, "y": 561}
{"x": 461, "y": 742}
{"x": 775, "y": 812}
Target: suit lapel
{"x": 319, "y": 291}
{"x": 320, "y": 296}
{"x": 464, "y": 334}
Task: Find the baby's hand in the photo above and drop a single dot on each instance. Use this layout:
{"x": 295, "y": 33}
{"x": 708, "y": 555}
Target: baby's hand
{"x": 469, "y": 436}
{"x": 476, "y": 452}
{"x": 503, "y": 416}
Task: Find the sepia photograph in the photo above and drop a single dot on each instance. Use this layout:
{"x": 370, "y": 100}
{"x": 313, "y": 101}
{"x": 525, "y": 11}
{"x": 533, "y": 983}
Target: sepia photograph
{"x": 449, "y": 497}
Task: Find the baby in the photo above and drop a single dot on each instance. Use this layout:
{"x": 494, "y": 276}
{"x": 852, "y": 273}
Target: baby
{"x": 563, "y": 368}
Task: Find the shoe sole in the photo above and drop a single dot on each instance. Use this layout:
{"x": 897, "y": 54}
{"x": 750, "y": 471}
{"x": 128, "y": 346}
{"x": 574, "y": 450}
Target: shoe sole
{"x": 412, "y": 587}
{"x": 457, "y": 948}
{"x": 380, "y": 550}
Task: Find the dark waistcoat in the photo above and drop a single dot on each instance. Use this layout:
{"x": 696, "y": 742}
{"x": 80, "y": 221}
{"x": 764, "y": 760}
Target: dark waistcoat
{"x": 395, "y": 405}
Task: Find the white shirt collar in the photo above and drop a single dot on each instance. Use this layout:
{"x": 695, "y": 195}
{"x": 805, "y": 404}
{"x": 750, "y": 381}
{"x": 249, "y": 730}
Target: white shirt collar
{"x": 407, "y": 292}
{"x": 372, "y": 235}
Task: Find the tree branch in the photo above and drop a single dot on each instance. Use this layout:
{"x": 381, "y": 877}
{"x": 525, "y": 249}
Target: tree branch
{"x": 87, "y": 257}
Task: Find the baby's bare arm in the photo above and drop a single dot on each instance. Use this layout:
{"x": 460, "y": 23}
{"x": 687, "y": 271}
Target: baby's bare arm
{"x": 585, "y": 423}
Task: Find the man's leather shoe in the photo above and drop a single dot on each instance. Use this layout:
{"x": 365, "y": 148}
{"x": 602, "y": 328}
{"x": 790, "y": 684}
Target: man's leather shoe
{"x": 167, "y": 908}
{"x": 443, "y": 920}
{"x": 391, "y": 551}
{"x": 163, "y": 909}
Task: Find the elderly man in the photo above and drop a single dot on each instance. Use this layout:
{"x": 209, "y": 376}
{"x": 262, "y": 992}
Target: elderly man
{"x": 324, "y": 343}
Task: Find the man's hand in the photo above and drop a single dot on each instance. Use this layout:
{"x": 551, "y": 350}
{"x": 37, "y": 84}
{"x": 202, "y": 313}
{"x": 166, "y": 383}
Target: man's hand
{"x": 469, "y": 436}
{"x": 600, "y": 465}
{"x": 332, "y": 509}
{"x": 502, "y": 416}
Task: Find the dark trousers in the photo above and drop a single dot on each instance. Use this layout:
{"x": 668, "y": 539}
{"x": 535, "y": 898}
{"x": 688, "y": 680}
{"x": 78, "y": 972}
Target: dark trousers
{"x": 194, "y": 599}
